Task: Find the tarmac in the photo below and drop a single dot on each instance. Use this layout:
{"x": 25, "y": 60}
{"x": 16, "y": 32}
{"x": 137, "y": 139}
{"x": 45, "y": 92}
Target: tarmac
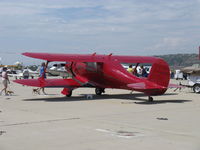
{"x": 117, "y": 120}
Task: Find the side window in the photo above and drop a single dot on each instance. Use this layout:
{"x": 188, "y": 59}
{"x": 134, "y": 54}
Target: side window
{"x": 138, "y": 69}
{"x": 144, "y": 69}
{"x": 91, "y": 66}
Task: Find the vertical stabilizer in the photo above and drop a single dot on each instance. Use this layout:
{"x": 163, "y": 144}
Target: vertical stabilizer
{"x": 160, "y": 74}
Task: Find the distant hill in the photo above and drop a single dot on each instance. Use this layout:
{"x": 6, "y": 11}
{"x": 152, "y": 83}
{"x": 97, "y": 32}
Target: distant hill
{"x": 180, "y": 60}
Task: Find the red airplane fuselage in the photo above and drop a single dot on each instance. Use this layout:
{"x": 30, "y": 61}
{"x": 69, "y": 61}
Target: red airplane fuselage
{"x": 112, "y": 75}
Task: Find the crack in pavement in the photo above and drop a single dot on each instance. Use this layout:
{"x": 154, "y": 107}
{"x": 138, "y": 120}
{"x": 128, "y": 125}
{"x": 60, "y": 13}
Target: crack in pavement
{"x": 1, "y": 132}
{"x": 37, "y": 122}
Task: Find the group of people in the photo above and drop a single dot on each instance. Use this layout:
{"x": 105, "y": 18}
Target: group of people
{"x": 6, "y": 81}
{"x": 141, "y": 72}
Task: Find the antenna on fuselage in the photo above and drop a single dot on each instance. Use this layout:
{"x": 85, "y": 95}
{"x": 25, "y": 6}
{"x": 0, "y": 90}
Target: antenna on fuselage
{"x": 94, "y": 54}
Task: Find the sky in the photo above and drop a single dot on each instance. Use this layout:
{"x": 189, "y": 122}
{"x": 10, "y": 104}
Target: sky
{"x": 121, "y": 27}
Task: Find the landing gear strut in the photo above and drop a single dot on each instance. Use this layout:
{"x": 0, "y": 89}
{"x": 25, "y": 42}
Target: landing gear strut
{"x": 69, "y": 94}
{"x": 99, "y": 91}
{"x": 150, "y": 99}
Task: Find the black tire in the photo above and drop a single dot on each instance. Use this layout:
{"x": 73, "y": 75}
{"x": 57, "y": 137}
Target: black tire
{"x": 196, "y": 88}
{"x": 98, "y": 91}
{"x": 150, "y": 99}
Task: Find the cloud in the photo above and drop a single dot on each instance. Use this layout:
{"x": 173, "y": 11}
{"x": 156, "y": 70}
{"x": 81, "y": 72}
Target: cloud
{"x": 83, "y": 15}
{"x": 129, "y": 25}
{"x": 170, "y": 43}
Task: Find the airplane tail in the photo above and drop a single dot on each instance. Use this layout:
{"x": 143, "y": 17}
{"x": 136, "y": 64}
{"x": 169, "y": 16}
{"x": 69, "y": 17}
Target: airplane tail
{"x": 160, "y": 75}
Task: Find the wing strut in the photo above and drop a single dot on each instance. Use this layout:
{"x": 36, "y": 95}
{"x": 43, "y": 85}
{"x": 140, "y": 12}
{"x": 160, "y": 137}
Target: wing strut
{"x": 135, "y": 69}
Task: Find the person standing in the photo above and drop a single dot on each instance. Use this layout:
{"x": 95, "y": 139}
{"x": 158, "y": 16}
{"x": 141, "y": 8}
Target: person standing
{"x": 43, "y": 70}
{"x": 43, "y": 74}
{"x": 5, "y": 80}
{"x": 25, "y": 73}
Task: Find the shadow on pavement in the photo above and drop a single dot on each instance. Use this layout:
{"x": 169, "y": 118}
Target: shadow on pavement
{"x": 162, "y": 102}
{"x": 136, "y": 96}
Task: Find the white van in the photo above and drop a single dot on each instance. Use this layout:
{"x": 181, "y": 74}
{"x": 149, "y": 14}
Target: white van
{"x": 178, "y": 75}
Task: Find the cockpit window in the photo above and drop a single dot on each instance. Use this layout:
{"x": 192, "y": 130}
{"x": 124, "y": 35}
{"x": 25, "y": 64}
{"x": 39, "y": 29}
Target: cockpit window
{"x": 91, "y": 66}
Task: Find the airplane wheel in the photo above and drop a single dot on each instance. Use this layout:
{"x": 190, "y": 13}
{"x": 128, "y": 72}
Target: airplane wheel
{"x": 196, "y": 88}
{"x": 99, "y": 91}
{"x": 150, "y": 99}
{"x": 69, "y": 94}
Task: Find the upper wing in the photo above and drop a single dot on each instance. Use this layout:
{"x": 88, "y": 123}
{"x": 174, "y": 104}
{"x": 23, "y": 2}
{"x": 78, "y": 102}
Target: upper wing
{"x": 91, "y": 58}
{"x": 66, "y": 57}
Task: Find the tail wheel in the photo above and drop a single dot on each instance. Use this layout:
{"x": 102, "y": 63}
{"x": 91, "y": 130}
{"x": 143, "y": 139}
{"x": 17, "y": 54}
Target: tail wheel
{"x": 196, "y": 88}
{"x": 99, "y": 91}
{"x": 150, "y": 99}
{"x": 69, "y": 94}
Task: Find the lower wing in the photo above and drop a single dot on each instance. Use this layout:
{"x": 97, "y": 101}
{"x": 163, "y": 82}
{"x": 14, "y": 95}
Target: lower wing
{"x": 40, "y": 82}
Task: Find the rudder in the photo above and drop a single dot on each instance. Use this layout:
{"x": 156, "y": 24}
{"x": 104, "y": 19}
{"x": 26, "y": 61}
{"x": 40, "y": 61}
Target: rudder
{"x": 160, "y": 74}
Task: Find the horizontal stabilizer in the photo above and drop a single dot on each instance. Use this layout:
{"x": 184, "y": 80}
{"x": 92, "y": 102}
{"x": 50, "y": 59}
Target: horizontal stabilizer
{"x": 40, "y": 82}
{"x": 144, "y": 86}
{"x": 175, "y": 86}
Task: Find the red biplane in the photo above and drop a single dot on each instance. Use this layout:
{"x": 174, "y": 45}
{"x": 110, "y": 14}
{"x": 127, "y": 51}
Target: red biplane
{"x": 104, "y": 71}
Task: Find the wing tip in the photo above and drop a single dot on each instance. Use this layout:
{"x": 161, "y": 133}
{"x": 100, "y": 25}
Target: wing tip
{"x": 25, "y": 54}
